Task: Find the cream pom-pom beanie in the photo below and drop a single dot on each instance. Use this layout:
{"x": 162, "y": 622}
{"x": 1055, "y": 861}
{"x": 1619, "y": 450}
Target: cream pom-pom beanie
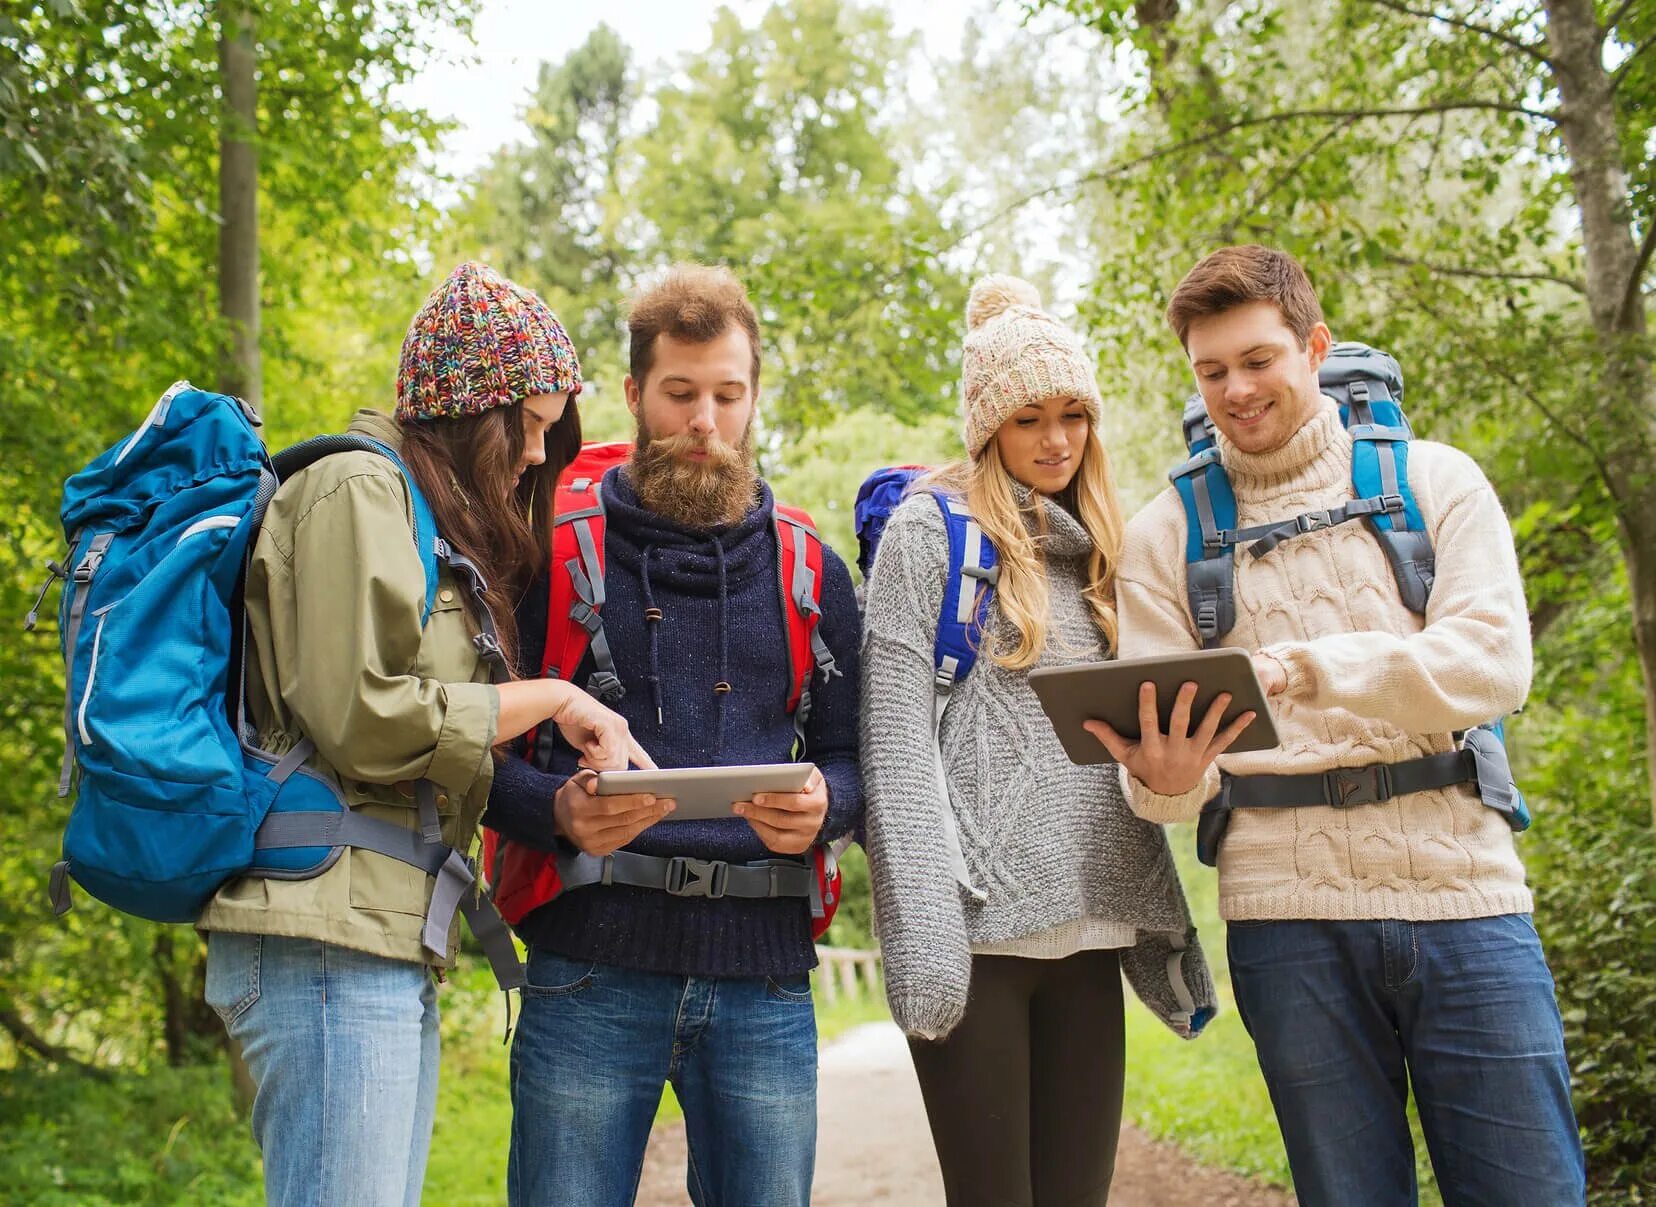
{"x": 1015, "y": 354}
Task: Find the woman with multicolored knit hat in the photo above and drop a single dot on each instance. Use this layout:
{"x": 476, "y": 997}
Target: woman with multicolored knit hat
{"x": 1013, "y": 891}
{"x": 327, "y": 983}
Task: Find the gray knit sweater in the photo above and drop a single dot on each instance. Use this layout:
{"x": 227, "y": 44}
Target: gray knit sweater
{"x": 1045, "y": 842}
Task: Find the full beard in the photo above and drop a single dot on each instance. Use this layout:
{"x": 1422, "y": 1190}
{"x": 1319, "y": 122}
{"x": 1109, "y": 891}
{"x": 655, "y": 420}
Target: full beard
{"x": 714, "y": 492}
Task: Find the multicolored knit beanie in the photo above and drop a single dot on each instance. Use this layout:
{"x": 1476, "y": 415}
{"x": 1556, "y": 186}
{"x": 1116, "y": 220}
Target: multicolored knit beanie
{"x": 481, "y": 342}
{"x": 1015, "y": 354}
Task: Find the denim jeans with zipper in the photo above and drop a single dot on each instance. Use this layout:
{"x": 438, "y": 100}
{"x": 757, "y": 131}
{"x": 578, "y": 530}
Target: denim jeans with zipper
{"x": 594, "y": 1047}
{"x": 1347, "y": 1016}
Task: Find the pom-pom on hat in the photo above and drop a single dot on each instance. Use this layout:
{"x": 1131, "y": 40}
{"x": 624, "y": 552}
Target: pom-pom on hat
{"x": 1015, "y": 354}
{"x": 481, "y": 342}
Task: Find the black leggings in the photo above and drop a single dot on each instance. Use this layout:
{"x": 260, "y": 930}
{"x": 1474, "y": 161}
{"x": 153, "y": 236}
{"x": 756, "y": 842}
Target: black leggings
{"x": 1024, "y": 1096}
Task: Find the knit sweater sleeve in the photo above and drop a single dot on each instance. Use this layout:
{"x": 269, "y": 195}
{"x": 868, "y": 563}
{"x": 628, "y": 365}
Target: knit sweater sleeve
{"x": 1154, "y": 619}
{"x": 1472, "y": 660}
{"x": 831, "y": 729}
{"x": 917, "y": 904}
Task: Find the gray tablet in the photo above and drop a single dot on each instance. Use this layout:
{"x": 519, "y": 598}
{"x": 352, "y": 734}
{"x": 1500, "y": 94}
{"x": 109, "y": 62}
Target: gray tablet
{"x": 1108, "y": 691}
{"x": 704, "y": 792}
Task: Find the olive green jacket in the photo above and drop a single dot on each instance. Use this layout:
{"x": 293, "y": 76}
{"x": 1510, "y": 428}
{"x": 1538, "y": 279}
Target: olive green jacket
{"x": 337, "y": 653}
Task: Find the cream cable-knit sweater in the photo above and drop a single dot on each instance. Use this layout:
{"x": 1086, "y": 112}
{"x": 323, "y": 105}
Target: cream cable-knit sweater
{"x": 1368, "y": 681}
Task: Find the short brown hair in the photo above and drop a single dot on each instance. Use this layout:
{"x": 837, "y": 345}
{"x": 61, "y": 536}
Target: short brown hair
{"x": 1235, "y": 276}
{"x": 693, "y": 302}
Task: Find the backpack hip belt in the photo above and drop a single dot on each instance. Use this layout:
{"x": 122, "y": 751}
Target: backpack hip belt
{"x": 685, "y": 876}
{"x": 1481, "y": 762}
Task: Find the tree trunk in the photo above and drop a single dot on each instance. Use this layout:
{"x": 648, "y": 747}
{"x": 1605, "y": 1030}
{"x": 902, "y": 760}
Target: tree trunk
{"x": 189, "y": 1025}
{"x": 238, "y": 267}
{"x": 1625, "y": 395}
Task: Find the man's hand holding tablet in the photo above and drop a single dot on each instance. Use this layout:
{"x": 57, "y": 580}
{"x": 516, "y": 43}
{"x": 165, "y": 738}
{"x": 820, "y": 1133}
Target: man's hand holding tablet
{"x": 788, "y": 822}
{"x": 1167, "y": 718}
{"x": 600, "y": 825}
{"x": 1174, "y": 762}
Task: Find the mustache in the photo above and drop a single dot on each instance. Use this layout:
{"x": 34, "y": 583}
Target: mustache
{"x": 721, "y": 454}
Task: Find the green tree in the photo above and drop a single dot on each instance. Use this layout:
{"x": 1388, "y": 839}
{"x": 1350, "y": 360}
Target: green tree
{"x": 553, "y": 212}
{"x": 769, "y": 153}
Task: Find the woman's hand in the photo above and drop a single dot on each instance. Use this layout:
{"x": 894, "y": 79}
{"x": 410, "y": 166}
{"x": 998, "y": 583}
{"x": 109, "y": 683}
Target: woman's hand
{"x": 599, "y": 735}
{"x": 1172, "y": 763}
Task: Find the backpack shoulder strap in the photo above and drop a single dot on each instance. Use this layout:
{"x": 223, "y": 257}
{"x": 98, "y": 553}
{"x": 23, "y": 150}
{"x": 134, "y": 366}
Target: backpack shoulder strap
{"x": 965, "y": 609}
{"x": 426, "y": 539}
{"x": 575, "y": 589}
{"x": 1210, "y": 534}
{"x": 1380, "y": 435}
{"x": 799, "y": 572}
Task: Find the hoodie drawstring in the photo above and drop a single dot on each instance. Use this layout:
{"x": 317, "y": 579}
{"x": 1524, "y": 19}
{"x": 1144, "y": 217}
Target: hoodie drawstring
{"x": 652, "y": 620}
{"x": 722, "y": 687}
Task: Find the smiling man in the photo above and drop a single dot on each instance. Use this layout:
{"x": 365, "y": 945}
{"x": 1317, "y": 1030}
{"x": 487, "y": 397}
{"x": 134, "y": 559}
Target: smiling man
{"x": 1383, "y": 942}
{"x": 699, "y": 979}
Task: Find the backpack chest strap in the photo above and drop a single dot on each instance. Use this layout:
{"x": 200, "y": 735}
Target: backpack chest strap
{"x": 1267, "y": 537}
{"x": 683, "y": 876}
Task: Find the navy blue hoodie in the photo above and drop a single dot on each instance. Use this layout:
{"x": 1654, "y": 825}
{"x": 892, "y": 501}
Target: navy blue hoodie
{"x": 719, "y": 595}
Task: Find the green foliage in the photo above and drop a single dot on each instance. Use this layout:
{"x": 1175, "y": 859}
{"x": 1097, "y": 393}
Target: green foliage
{"x": 768, "y": 153}
{"x": 1593, "y": 857}
{"x": 167, "y": 1137}
{"x": 109, "y": 128}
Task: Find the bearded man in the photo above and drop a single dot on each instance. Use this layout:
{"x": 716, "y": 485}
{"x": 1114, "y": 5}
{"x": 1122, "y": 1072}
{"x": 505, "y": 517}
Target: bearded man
{"x": 631, "y": 987}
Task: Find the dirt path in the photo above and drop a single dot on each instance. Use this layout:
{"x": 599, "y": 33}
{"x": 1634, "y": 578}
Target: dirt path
{"x": 874, "y": 1146}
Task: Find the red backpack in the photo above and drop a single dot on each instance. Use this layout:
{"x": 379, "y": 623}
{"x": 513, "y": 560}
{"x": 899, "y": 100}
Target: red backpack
{"x": 522, "y": 878}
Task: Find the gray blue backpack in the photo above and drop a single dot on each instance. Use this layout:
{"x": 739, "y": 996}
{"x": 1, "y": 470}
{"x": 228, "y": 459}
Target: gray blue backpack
{"x": 1368, "y": 386}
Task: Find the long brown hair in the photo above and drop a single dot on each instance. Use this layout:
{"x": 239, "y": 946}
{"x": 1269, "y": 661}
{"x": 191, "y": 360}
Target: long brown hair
{"x": 464, "y": 467}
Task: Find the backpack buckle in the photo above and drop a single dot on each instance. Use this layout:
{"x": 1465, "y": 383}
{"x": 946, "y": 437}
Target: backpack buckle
{"x": 88, "y": 566}
{"x": 1311, "y": 521}
{"x": 688, "y": 877}
{"x": 1392, "y": 504}
{"x": 1345, "y": 787}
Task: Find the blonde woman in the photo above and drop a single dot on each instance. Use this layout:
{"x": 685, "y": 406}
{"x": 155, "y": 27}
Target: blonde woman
{"x": 1013, "y": 888}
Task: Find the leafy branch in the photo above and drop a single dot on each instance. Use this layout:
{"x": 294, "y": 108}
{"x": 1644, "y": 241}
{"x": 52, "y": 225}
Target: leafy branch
{"x": 1348, "y": 116}
{"x": 1506, "y": 39}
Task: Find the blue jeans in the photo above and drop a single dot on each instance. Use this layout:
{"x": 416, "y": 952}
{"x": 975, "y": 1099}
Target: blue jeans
{"x": 1347, "y": 1015}
{"x": 343, "y": 1048}
{"x": 596, "y": 1044}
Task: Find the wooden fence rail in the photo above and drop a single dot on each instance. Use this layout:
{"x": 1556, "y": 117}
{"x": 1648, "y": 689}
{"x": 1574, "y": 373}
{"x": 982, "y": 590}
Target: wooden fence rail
{"x": 847, "y": 971}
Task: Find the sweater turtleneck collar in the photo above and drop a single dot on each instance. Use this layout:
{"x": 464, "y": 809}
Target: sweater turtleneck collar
{"x": 1064, "y": 535}
{"x": 1319, "y": 454}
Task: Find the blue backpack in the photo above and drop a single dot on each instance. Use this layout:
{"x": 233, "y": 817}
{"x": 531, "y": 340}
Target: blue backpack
{"x": 174, "y": 797}
{"x": 968, "y": 590}
{"x": 1368, "y": 386}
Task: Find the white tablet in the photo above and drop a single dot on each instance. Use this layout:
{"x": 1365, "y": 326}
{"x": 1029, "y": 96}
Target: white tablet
{"x": 704, "y": 792}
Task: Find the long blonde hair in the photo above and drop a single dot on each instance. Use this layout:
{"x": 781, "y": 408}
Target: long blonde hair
{"x": 987, "y": 489}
